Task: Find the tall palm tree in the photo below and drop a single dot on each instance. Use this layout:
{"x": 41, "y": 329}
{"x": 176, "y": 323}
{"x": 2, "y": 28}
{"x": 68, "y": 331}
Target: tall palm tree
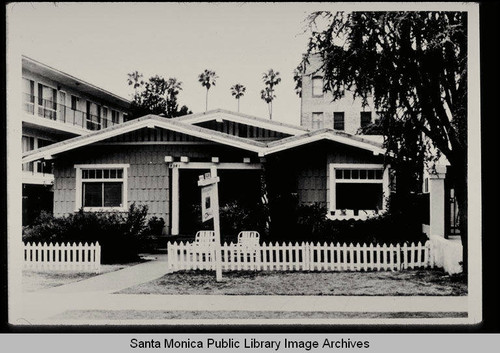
{"x": 271, "y": 79}
{"x": 238, "y": 91}
{"x": 207, "y": 79}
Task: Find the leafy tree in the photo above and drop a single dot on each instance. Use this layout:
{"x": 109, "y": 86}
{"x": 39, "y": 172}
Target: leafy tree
{"x": 155, "y": 96}
{"x": 271, "y": 80}
{"x": 207, "y": 79}
{"x": 238, "y": 91}
{"x": 415, "y": 65}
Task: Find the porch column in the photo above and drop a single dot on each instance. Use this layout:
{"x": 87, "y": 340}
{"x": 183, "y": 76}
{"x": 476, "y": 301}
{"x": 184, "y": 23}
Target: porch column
{"x": 386, "y": 190}
{"x": 437, "y": 201}
{"x": 175, "y": 201}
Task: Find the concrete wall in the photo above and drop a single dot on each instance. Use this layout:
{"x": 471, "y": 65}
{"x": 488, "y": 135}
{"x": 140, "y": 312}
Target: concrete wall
{"x": 310, "y": 104}
{"x": 447, "y": 254}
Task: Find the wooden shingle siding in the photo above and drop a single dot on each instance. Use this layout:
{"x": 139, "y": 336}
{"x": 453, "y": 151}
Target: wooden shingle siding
{"x": 310, "y": 165}
{"x": 148, "y": 174}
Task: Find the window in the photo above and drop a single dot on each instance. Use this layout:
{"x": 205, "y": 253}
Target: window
{"x": 29, "y": 96}
{"x": 115, "y": 117}
{"x": 357, "y": 188}
{"x": 93, "y": 116}
{"x": 101, "y": 187}
{"x": 28, "y": 144}
{"x": 338, "y": 121}
{"x": 74, "y": 102}
{"x": 105, "y": 117}
{"x": 47, "y": 101}
{"x": 366, "y": 118}
{"x": 317, "y": 121}
{"x": 317, "y": 86}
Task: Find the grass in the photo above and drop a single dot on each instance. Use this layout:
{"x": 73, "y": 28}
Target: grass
{"x": 189, "y": 315}
{"x": 38, "y": 280}
{"x": 401, "y": 283}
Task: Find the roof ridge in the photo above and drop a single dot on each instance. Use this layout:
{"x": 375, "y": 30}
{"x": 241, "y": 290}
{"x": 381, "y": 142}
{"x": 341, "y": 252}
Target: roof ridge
{"x": 243, "y": 115}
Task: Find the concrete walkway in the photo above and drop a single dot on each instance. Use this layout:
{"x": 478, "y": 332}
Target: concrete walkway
{"x": 114, "y": 281}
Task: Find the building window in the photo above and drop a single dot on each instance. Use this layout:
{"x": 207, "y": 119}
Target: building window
{"x": 47, "y": 101}
{"x": 101, "y": 187}
{"x": 115, "y": 117}
{"x": 29, "y": 96}
{"x": 93, "y": 116}
{"x": 317, "y": 121}
{"x": 366, "y": 118}
{"x": 338, "y": 121}
{"x": 74, "y": 102}
{"x": 317, "y": 86}
{"x": 357, "y": 190}
{"x": 28, "y": 144}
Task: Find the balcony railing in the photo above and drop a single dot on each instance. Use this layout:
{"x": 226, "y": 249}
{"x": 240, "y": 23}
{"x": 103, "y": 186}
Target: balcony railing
{"x": 38, "y": 167}
{"x": 62, "y": 113}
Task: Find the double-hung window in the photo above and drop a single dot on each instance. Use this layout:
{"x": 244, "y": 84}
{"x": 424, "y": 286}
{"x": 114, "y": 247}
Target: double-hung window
{"x": 317, "y": 86}
{"x": 317, "y": 121}
{"x": 101, "y": 187}
{"x": 338, "y": 121}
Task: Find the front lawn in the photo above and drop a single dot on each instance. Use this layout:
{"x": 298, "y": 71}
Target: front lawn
{"x": 37, "y": 280}
{"x": 408, "y": 282}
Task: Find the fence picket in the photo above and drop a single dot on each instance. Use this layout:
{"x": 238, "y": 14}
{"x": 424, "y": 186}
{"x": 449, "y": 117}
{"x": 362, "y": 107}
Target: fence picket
{"x": 285, "y": 257}
{"x": 53, "y": 256}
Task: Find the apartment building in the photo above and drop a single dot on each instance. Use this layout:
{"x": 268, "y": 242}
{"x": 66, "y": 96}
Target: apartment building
{"x": 57, "y": 106}
{"x": 318, "y": 110}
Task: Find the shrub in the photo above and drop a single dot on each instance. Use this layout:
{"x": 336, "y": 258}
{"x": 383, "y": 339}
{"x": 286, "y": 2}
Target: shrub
{"x": 391, "y": 227}
{"x": 155, "y": 226}
{"x": 117, "y": 233}
{"x": 233, "y": 218}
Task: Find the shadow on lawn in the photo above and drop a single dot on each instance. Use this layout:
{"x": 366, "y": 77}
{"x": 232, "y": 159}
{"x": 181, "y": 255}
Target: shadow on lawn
{"x": 400, "y": 283}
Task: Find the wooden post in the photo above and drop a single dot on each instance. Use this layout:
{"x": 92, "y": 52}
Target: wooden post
{"x": 218, "y": 257}
{"x": 175, "y": 201}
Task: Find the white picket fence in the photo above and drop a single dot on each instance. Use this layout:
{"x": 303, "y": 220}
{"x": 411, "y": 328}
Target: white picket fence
{"x": 65, "y": 257}
{"x": 300, "y": 257}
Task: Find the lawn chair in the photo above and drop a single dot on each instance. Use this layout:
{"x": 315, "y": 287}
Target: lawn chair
{"x": 248, "y": 241}
{"x": 203, "y": 248}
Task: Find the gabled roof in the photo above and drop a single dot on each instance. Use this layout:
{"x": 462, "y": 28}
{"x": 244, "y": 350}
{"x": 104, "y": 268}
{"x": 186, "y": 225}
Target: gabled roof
{"x": 153, "y": 121}
{"x": 149, "y": 121}
{"x": 325, "y": 134}
{"x": 241, "y": 118}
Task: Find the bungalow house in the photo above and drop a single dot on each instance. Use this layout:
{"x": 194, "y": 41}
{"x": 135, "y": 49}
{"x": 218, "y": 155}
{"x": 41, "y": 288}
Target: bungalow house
{"x": 156, "y": 161}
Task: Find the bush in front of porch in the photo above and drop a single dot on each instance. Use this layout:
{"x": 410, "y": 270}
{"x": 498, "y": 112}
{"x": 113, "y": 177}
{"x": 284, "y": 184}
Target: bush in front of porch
{"x": 308, "y": 223}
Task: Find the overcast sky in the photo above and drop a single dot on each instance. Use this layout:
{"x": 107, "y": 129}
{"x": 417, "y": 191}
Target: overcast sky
{"x": 102, "y": 42}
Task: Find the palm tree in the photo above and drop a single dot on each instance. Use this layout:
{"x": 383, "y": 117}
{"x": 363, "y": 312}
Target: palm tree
{"x": 271, "y": 79}
{"x": 238, "y": 91}
{"x": 207, "y": 79}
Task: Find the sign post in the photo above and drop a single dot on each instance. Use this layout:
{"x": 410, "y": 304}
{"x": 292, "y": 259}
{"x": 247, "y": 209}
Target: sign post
{"x": 209, "y": 210}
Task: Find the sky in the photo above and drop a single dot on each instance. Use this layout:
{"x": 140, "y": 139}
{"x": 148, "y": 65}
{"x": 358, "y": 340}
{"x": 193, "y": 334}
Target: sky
{"x": 102, "y": 42}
